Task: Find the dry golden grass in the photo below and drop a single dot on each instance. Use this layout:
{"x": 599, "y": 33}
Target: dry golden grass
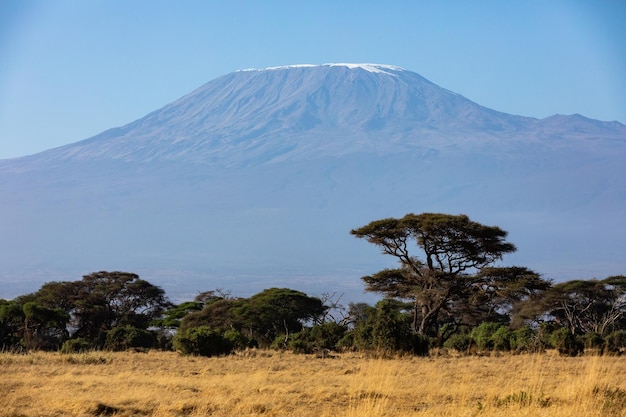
{"x": 284, "y": 384}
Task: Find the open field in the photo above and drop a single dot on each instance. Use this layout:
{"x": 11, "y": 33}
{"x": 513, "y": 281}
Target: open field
{"x": 284, "y": 384}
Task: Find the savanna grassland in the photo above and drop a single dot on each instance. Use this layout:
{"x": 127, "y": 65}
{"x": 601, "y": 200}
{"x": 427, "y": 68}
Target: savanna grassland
{"x": 272, "y": 383}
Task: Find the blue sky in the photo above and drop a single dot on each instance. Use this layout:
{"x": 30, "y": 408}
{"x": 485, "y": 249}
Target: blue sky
{"x": 71, "y": 69}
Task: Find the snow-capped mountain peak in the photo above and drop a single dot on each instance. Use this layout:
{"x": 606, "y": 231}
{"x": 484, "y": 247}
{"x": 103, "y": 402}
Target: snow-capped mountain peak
{"x": 379, "y": 68}
{"x": 262, "y": 173}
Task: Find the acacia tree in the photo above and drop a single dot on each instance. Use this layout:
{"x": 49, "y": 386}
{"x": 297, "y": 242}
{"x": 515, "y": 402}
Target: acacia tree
{"x": 446, "y": 276}
{"x": 582, "y": 306}
{"x": 496, "y": 291}
{"x": 105, "y": 300}
{"x": 278, "y": 311}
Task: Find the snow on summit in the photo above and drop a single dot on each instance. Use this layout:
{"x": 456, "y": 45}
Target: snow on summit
{"x": 207, "y": 191}
{"x": 379, "y": 68}
{"x": 369, "y": 67}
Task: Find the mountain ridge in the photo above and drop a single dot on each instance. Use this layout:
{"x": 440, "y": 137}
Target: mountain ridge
{"x": 237, "y": 112}
{"x": 262, "y": 173}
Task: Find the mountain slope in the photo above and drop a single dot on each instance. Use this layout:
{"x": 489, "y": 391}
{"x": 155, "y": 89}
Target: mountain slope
{"x": 259, "y": 175}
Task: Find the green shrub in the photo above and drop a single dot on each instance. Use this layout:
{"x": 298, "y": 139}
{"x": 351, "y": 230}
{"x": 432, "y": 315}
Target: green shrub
{"x": 482, "y": 335}
{"x": 616, "y": 341}
{"x": 544, "y": 333}
{"x": 458, "y": 341}
{"x": 565, "y": 342}
{"x": 301, "y": 342}
{"x": 592, "y": 340}
{"x": 522, "y": 340}
{"x": 129, "y": 337}
{"x": 327, "y": 335}
{"x": 501, "y": 338}
{"x": 79, "y": 345}
{"x": 238, "y": 340}
{"x": 201, "y": 341}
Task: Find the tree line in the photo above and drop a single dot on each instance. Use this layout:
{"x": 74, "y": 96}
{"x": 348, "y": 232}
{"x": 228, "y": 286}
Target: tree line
{"x": 445, "y": 292}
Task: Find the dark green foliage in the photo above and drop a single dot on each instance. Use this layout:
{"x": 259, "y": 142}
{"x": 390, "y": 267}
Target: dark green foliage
{"x": 592, "y": 340}
{"x": 129, "y": 337}
{"x": 220, "y": 315}
{"x": 327, "y": 335}
{"x": 11, "y": 325}
{"x": 320, "y": 337}
{"x": 544, "y": 332}
{"x": 482, "y": 335}
{"x": 501, "y": 338}
{"x": 201, "y": 341}
{"x": 362, "y": 317}
{"x": 88, "y": 309}
{"x": 616, "y": 341}
{"x": 44, "y": 328}
{"x": 238, "y": 340}
{"x": 523, "y": 339}
{"x": 106, "y": 300}
{"x": 78, "y": 345}
{"x": 451, "y": 279}
{"x": 114, "y": 310}
{"x": 458, "y": 341}
{"x": 565, "y": 342}
{"x": 278, "y": 312}
{"x": 385, "y": 328}
{"x": 584, "y": 306}
{"x": 391, "y": 329}
{"x": 174, "y": 315}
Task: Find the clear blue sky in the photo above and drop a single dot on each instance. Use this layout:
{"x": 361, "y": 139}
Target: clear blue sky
{"x": 71, "y": 69}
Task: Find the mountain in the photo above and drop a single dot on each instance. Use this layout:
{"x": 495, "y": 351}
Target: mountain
{"x": 256, "y": 178}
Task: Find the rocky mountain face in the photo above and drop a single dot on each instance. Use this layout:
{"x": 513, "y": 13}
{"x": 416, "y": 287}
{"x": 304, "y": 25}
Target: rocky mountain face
{"x": 255, "y": 179}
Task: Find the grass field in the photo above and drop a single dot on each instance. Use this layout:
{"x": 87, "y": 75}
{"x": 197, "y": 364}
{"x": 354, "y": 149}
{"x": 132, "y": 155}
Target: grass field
{"x": 260, "y": 383}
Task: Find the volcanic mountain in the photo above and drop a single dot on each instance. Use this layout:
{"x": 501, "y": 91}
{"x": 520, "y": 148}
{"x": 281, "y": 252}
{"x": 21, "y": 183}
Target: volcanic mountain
{"x": 256, "y": 178}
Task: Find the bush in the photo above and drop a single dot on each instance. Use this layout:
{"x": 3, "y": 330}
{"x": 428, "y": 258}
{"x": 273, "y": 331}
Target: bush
{"x": 482, "y": 335}
{"x": 565, "y": 342}
{"x": 325, "y": 336}
{"x": 129, "y": 337}
{"x": 501, "y": 338}
{"x": 616, "y": 341}
{"x": 522, "y": 340}
{"x": 458, "y": 341}
{"x": 238, "y": 340}
{"x": 301, "y": 342}
{"x": 202, "y": 341}
{"x": 76, "y": 346}
{"x": 544, "y": 332}
{"x": 592, "y": 340}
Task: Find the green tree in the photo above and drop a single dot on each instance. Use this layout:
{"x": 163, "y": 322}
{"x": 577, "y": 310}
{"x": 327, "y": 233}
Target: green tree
{"x": 391, "y": 329}
{"x": 524, "y": 339}
{"x": 128, "y": 337}
{"x": 583, "y": 306}
{"x": 482, "y": 335}
{"x": 11, "y": 325}
{"x": 105, "y": 300}
{"x": 453, "y": 248}
{"x": 201, "y": 341}
{"x": 496, "y": 291}
{"x": 173, "y": 316}
{"x": 278, "y": 312}
{"x": 616, "y": 341}
{"x": 219, "y": 314}
{"x": 44, "y": 328}
{"x": 361, "y": 318}
{"x": 565, "y": 342}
